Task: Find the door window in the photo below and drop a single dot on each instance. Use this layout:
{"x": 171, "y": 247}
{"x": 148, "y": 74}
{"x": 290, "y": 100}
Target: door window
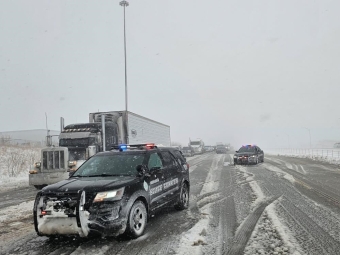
{"x": 170, "y": 163}
{"x": 155, "y": 161}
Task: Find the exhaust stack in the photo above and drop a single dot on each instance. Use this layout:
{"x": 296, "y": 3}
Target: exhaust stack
{"x": 62, "y": 124}
{"x": 103, "y": 131}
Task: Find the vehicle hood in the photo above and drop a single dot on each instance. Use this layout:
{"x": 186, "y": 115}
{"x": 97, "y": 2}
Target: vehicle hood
{"x": 90, "y": 184}
{"x": 244, "y": 153}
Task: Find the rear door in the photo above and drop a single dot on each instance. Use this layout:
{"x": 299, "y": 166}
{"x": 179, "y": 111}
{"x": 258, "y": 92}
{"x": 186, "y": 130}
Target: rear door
{"x": 156, "y": 180}
{"x": 259, "y": 153}
{"x": 172, "y": 170}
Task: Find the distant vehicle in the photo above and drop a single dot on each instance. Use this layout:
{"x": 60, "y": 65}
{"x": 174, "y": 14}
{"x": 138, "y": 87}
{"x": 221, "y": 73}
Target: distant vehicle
{"x": 197, "y": 146}
{"x": 208, "y": 148}
{"x": 221, "y": 149}
{"x": 188, "y": 151}
{"x": 78, "y": 142}
{"x": 337, "y": 145}
{"x": 114, "y": 193}
{"x": 248, "y": 154}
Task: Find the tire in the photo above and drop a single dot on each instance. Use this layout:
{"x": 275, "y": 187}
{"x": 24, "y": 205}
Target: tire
{"x": 137, "y": 220}
{"x": 39, "y": 187}
{"x": 257, "y": 160}
{"x": 183, "y": 200}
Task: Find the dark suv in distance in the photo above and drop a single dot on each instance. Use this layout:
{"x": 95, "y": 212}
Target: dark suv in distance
{"x": 221, "y": 149}
{"x": 114, "y": 193}
{"x": 188, "y": 151}
{"x": 248, "y": 154}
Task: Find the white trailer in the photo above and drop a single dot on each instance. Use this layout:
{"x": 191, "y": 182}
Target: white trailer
{"x": 80, "y": 141}
{"x": 139, "y": 129}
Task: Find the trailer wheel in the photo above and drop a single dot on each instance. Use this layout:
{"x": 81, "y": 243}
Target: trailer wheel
{"x": 39, "y": 187}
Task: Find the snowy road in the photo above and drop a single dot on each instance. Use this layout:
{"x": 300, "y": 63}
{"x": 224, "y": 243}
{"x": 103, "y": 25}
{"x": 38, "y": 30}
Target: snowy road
{"x": 283, "y": 206}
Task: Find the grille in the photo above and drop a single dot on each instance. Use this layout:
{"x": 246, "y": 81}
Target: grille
{"x": 53, "y": 160}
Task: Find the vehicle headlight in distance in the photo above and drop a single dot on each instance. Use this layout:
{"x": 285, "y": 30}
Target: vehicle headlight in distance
{"x": 112, "y": 195}
{"x": 72, "y": 163}
{"x": 253, "y": 156}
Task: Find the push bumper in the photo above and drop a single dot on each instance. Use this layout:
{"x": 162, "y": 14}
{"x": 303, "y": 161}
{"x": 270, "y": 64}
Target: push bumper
{"x": 105, "y": 219}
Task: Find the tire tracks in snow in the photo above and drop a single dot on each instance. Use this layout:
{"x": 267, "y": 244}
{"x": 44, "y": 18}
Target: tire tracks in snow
{"x": 246, "y": 229}
{"x": 314, "y": 233}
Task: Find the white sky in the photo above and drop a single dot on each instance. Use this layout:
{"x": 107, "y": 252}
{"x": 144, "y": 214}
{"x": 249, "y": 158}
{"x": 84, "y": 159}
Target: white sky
{"x": 230, "y": 71}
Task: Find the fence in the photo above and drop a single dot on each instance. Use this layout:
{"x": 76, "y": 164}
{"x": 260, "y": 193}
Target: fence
{"x": 330, "y": 154}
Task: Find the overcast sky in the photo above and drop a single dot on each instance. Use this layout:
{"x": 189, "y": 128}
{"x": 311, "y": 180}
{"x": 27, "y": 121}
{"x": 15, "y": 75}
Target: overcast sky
{"x": 224, "y": 71}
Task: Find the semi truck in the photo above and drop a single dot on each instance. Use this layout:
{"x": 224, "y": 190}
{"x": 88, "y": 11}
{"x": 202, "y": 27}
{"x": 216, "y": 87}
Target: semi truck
{"x": 197, "y": 146}
{"x": 78, "y": 142}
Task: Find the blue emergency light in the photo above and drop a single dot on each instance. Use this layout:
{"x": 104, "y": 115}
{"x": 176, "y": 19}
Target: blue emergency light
{"x": 123, "y": 147}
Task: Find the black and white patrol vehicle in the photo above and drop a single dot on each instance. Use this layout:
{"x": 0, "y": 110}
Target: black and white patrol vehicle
{"x": 114, "y": 193}
{"x": 248, "y": 154}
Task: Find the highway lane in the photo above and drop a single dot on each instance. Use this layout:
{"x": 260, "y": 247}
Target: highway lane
{"x": 283, "y": 206}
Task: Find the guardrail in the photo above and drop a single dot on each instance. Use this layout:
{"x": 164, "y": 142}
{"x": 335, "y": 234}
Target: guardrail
{"x": 330, "y": 154}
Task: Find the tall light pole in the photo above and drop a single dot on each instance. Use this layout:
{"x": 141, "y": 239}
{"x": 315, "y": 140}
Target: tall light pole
{"x": 125, "y": 4}
{"x": 310, "y": 138}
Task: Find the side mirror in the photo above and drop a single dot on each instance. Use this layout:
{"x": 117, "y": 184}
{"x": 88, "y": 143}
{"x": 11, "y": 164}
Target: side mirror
{"x": 141, "y": 169}
{"x": 236, "y": 151}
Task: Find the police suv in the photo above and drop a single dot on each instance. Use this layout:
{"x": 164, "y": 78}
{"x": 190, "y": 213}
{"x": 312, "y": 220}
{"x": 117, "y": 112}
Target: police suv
{"x": 114, "y": 193}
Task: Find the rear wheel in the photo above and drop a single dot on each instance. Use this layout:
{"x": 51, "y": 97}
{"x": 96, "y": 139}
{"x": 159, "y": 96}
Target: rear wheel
{"x": 39, "y": 187}
{"x": 137, "y": 220}
{"x": 183, "y": 201}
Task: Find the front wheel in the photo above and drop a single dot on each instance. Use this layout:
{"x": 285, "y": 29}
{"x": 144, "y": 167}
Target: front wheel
{"x": 183, "y": 201}
{"x": 137, "y": 220}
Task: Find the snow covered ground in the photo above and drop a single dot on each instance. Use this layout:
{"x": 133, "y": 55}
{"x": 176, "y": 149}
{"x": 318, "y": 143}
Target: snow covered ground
{"x": 294, "y": 219}
{"x": 325, "y": 155}
{"x": 193, "y": 240}
{"x": 15, "y": 162}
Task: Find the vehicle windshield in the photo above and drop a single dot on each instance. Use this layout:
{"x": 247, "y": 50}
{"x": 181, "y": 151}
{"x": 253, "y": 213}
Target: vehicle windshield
{"x": 247, "y": 149}
{"x": 80, "y": 142}
{"x": 195, "y": 143}
{"x": 110, "y": 165}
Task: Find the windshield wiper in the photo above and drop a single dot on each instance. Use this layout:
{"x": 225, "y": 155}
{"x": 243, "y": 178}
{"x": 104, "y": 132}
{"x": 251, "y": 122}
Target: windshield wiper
{"x": 98, "y": 175}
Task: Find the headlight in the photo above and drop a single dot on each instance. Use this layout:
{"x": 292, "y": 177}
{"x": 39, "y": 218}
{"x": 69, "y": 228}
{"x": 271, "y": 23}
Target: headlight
{"x": 252, "y": 156}
{"x": 112, "y": 195}
{"x": 37, "y": 164}
{"x": 72, "y": 163}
